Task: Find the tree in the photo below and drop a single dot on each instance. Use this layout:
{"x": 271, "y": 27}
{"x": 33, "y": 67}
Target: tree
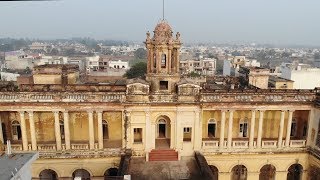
{"x": 140, "y": 53}
{"x": 137, "y": 70}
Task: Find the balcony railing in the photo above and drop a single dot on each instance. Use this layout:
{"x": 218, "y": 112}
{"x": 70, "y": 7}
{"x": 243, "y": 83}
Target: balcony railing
{"x": 46, "y": 147}
{"x": 297, "y": 143}
{"x": 269, "y": 144}
{"x": 79, "y": 146}
{"x": 210, "y": 144}
{"x": 240, "y": 144}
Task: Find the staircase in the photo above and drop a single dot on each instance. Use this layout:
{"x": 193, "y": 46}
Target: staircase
{"x": 163, "y": 155}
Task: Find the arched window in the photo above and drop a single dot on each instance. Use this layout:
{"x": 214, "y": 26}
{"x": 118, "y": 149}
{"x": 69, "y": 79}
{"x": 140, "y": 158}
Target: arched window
{"x": 215, "y": 172}
{"x": 295, "y": 172}
{"x": 48, "y": 174}
{"x": 239, "y": 172}
{"x": 155, "y": 60}
{"x": 212, "y": 125}
{"x": 61, "y": 129}
{"x": 163, "y": 60}
{"x": 16, "y": 130}
{"x": 105, "y": 129}
{"x": 267, "y": 172}
{"x": 81, "y": 174}
{"x": 243, "y": 128}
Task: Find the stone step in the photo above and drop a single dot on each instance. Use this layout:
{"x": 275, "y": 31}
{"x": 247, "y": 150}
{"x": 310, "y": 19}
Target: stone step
{"x": 163, "y": 155}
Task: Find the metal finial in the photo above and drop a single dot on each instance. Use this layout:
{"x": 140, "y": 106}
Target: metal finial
{"x": 163, "y": 10}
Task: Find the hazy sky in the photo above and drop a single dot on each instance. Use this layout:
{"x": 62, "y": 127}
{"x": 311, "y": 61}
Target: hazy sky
{"x": 262, "y": 21}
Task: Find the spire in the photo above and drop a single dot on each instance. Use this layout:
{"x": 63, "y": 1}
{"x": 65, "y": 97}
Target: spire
{"x": 162, "y": 9}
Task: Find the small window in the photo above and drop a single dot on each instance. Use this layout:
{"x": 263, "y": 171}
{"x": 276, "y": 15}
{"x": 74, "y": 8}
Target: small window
{"x": 243, "y": 129}
{"x": 16, "y": 130}
{"x": 62, "y": 129}
{"x": 305, "y": 130}
{"x": 163, "y": 85}
{"x": 293, "y": 128}
{"x": 187, "y": 134}
{"x": 154, "y": 60}
{"x": 212, "y": 128}
{"x": 137, "y": 135}
{"x": 163, "y": 61}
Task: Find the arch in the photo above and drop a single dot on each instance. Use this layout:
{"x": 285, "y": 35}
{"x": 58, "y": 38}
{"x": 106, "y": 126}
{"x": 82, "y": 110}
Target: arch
{"x": 295, "y": 172}
{"x": 212, "y": 121}
{"x": 16, "y": 130}
{"x": 163, "y": 61}
{"x": 111, "y": 172}
{"x": 83, "y": 173}
{"x": 162, "y": 121}
{"x": 239, "y": 172}
{"x": 215, "y": 172}
{"x": 267, "y": 172}
{"x": 48, "y": 174}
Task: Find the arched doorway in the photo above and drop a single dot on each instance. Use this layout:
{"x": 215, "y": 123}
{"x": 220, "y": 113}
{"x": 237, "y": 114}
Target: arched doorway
{"x": 295, "y": 172}
{"x": 105, "y": 130}
{"x": 110, "y": 172}
{"x": 48, "y": 174}
{"x": 239, "y": 172}
{"x": 162, "y": 126}
{"x": 16, "y": 130}
{"x": 215, "y": 172}
{"x": 163, "y": 133}
{"x": 81, "y": 174}
{"x": 267, "y": 172}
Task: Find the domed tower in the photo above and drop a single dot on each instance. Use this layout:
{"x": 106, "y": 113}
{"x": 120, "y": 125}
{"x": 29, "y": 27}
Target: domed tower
{"x": 163, "y": 58}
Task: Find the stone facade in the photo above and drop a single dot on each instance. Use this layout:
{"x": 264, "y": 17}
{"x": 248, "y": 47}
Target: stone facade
{"x": 87, "y": 127}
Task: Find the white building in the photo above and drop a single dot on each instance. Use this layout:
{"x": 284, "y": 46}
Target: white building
{"x": 8, "y": 76}
{"x": 119, "y": 64}
{"x": 232, "y": 65}
{"x": 204, "y": 66}
{"x": 304, "y": 76}
{"x": 92, "y": 63}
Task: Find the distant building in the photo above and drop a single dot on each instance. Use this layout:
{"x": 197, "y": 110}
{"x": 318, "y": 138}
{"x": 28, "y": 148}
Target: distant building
{"x": 52, "y": 74}
{"x": 204, "y": 66}
{"x": 119, "y": 64}
{"x": 255, "y": 76}
{"x": 92, "y": 63}
{"x": 231, "y": 65}
{"x": 303, "y": 75}
{"x": 280, "y": 83}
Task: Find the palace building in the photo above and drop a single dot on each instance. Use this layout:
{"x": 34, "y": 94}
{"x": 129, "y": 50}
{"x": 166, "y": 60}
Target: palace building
{"x": 84, "y": 130}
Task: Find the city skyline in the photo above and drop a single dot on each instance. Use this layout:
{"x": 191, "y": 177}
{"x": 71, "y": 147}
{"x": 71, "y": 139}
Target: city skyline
{"x": 272, "y": 22}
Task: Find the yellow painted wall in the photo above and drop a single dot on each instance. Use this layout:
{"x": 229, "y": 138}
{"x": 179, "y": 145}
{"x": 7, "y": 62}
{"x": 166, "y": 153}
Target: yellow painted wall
{"x": 79, "y": 129}
{"x": 47, "y": 79}
{"x": 44, "y": 125}
{"x": 114, "y": 120}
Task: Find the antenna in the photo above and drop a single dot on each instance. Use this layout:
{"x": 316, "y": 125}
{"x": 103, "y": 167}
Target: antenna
{"x": 163, "y": 10}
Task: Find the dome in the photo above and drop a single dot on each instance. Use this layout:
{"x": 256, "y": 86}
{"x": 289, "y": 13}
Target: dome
{"x": 162, "y": 33}
{"x": 163, "y": 26}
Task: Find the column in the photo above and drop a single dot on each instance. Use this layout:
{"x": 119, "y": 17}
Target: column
{"x": 281, "y": 129}
{"x": 158, "y": 61}
{"x": 176, "y": 56}
{"x": 169, "y": 61}
{"x": 148, "y": 131}
{"x": 100, "y": 130}
{"x": 23, "y": 131}
{"x": 178, "y": 132}
{"x": 253, "y": 119}
{"x": 33, "y": 131}
{"x": 127, "y": 130}
{"x": 197, "y": 138}
{"x": 1, "y": 133}
{"x": 223, "y": 122}
{"x": 57, "y": 129}
{"x": 261, "y": 113}
{"x": 172, "y": 133}
{"x": 91, "y": 130}
{"x": 66, "y": 129}
{"x": 230, "y": 129}
{"x": 289, "y": 128}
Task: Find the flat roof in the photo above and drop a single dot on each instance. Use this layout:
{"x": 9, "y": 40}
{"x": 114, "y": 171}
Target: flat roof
{"x": 13, "y": 163}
